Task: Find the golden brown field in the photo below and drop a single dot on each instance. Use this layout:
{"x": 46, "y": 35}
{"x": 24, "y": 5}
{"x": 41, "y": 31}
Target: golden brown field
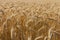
{"x": 29, "y": 20}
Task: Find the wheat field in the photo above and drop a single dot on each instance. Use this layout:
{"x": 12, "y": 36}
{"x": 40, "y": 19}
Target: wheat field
{"x": 29, "y": 20}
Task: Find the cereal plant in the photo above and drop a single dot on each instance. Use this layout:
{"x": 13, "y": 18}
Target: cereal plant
{"x": 29, "y": 21}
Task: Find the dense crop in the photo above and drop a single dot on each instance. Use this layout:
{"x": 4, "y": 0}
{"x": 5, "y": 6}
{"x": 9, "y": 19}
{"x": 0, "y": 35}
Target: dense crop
{"x": 29, "y": 21}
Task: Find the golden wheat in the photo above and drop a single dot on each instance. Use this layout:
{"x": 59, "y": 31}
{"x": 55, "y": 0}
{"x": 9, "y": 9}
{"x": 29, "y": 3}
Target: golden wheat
{"x": 29, "y": 21}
